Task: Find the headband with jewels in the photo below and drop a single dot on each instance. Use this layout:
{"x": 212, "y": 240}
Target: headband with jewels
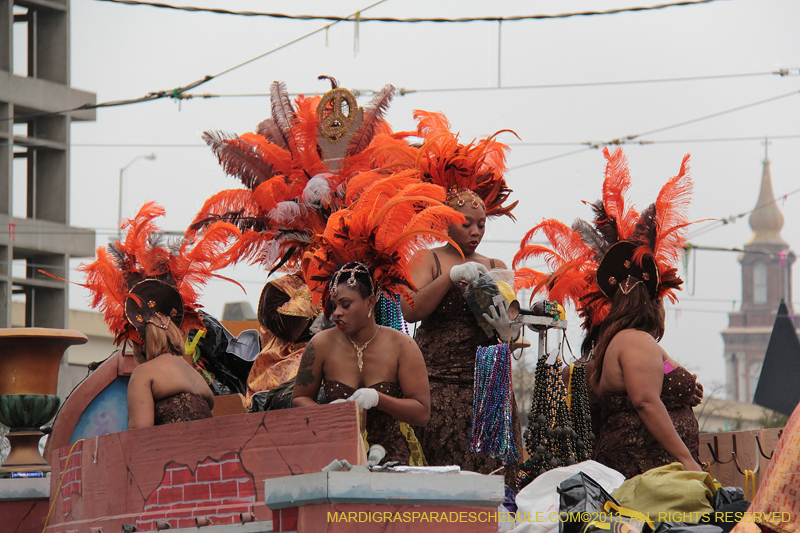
{"x": 295, "y": 168}
{"x": 460, "y": 197}
{"x": 350, "y": 269}
{"x": 620, "y": 248}
{"x": 382, "y": 230}
{"x": 152, "y": 301}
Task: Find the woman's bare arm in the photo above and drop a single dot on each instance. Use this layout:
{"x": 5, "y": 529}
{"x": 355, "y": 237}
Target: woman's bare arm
{"x": 415, "y": 406}
{"x": 309, "y": 377}
{"x": 141, "y": 407}
{"x": 643, "y": 374}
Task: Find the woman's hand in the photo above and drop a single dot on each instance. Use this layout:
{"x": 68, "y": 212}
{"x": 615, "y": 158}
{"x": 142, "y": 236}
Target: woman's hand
{"x": 467, "y": 272}
{"x": 697, "y": 395}
{"x": 366, "y": 398}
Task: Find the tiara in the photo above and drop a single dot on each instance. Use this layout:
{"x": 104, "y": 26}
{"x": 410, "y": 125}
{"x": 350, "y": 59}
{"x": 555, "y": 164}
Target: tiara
{"x": 358, "y": 267}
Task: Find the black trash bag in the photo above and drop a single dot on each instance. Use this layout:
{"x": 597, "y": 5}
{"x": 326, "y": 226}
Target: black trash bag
{"x": 230, "y": 371}
{"x": 728, "y": 495}
{"x": 278, "y": 398}
{"x": 728, "y": 515}
{"x": 579, "y": 497}
{"x": 682, "y": 527}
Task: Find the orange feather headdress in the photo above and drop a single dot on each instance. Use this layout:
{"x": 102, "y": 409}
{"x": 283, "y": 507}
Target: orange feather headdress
{"x": 295, "y": 168}
{"x": 477, "y": 167}
{"x": 579, "y": 255}
{"x": 144, "y": 254}
{"x": 392, "y": 218}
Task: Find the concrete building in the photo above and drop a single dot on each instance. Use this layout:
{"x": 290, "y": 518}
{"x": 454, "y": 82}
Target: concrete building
{"x": 766, "y": 280}
{"x": 34, "y": 160}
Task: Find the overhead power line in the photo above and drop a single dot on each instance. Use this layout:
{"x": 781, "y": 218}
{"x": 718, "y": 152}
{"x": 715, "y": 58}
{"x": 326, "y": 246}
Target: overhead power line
{"x": 514, "y": 18}
{"x": 177, "y": 93}
{"x": 627, "y": 139}
{"x": 733, "y": 218}
{"x": 402, "y": 91}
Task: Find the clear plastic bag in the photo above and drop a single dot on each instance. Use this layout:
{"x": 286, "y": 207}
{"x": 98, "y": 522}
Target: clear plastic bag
{"x": 490, "y": 290}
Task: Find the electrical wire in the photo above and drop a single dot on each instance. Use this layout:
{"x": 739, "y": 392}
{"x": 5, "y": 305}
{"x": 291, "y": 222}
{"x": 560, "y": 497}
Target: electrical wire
{"x": 646, "y": 142}
{"x": 407, "y": 20}
{"x": 783, "y": 72}
{"x": 177, "y": 93}
{"x": 625, "y": 140}
{"x": 733, "y": 218}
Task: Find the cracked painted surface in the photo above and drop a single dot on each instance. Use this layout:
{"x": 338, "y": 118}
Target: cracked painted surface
{"x": 132, "y": 477}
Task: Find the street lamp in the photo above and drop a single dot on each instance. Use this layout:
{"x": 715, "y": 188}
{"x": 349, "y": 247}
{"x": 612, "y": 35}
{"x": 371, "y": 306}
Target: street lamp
{"x": 150, "y": 157}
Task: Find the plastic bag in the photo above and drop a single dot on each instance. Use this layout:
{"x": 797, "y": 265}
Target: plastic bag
{"x": 269, "y": 400}
{"x": 728, "y": 495}
{"x": 488, "y": 290}
{"x": 581, "y": 496}
{"x": 541, "y": 496}
{"x": 229, "y": 371}
{"x": 668, "y": 489}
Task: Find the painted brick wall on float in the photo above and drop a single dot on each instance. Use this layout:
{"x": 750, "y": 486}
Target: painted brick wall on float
{"x": 71, "y": 469}
{"x": 219, "y": 490}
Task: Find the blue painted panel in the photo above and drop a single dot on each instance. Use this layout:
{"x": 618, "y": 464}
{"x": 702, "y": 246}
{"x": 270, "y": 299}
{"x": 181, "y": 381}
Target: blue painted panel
{"x": 107, "y": 413}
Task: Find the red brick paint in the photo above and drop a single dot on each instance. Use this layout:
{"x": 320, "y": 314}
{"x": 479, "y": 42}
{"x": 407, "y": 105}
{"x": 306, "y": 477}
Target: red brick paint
{"x": 217, "y": 489}
{"x": 285, "y": 519}
{"x": 71, "y": 473}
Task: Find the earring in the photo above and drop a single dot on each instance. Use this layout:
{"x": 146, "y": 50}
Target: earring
{"x": 369, "y": 315}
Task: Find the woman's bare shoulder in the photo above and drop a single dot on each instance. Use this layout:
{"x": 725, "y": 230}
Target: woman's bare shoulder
{"x": 633, "y": 336}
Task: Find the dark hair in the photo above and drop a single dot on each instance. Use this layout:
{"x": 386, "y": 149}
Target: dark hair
{"x": 635, "y": 310}
{"x": 364, "y": 282}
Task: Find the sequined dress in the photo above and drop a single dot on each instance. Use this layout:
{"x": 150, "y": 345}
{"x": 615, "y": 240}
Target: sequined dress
{"x": 382, "y": 428}
{"x": 449, "y": 339}
{"x": 626, "y": 445}
{"x": 181, "y": 407}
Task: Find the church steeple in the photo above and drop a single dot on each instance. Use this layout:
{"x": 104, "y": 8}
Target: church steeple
{"x": 766, "y": 280}
{"x": 767, "y": 219}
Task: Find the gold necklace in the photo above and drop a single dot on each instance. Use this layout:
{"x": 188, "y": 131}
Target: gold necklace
{"x": 360, "y": 349}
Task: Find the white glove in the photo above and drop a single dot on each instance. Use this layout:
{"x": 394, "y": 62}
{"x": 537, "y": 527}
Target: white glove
{"x": 366, "y": 398}
{"x": 467, "y": 272}
{"x": 340, "y": 400}
{"x": 501, "y": 323}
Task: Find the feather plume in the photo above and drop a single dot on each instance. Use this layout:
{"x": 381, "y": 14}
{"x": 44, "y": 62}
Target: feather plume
{"x": 430, "y": 124}
{"x": 373, "y": 117}
{"x": 239, "y": 159}
{"x": 591, "y": 238}
{"x": 268, "y": 129}
{"x": 615, "y": 187}
{"x": 304, "y": 133}
{"x": 671, "y": 216}
{"x": 282, "y": 112}
{"x": 145, "y": 253}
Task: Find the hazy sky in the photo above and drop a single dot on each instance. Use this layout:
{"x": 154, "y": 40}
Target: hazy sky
{"x": 121, "y": 52}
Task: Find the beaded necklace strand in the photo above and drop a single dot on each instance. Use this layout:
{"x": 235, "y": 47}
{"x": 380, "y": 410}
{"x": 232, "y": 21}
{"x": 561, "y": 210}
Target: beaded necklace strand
{"x": 493, "y": 405}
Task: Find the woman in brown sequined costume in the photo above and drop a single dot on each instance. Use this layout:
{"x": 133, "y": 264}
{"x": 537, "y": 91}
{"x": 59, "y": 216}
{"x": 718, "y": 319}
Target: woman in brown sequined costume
{"x": 379, "y": 368}
{"x": 448, "y": 337}
{"x": 164, "y": 388}
{"x": 643, "y": 397}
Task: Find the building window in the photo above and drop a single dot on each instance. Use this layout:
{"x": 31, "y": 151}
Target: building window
{"x": 760, "y": 283}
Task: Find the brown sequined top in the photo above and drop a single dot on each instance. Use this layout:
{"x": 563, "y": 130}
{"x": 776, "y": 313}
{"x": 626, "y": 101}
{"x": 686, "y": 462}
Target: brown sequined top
{"x": 382, "y": 428}
{"x": 449, "y": 339}
{"x": 625, "y": 444}
{"x": 182, "y": 407}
